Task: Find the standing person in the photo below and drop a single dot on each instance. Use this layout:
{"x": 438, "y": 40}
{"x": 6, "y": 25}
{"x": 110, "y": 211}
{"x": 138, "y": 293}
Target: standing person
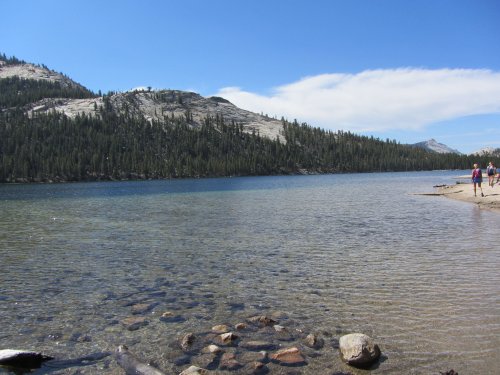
{"x": 477, "y": 178}
{"x": 491, "y": 171}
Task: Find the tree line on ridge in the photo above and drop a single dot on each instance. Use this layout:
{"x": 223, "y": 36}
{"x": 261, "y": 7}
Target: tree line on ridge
{"x": 114, "y": 146}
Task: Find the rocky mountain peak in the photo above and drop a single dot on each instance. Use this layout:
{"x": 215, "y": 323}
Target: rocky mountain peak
{"x": 434, "y": 146}
{"x": 35, "y": 72}
{"x": 160, "y": 104}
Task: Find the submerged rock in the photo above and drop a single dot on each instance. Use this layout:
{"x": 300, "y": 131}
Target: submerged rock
{"x": 206, "y": 361}
{"x": 262, "y": 320}
{"x": 213, "y": 349}
{"x": 359, "y": 350}
{"x": 289, "y": 357}
{"x": 187, "y": 341}
{"x": 132, "y": 365}
{"x": 258, "y": 368}
{"x": 134, "y": 322}
{"x": 250, "y": 357}
{"x": 313, "y": 341}
{"x": 229, "y": 362}
{"x": 227, "y": 338}
{"x": 221, "y": 328}
{"x": 142, "y": 308}
{"x": 194, "y": 370}
{"x": 241, "y": 326}
{"x": 170, "y": 317}
{"x": 257, "y": 345}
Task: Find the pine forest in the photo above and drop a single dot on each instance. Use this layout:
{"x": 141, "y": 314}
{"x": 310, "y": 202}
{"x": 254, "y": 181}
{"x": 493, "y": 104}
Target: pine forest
{"x": 49, "y": 147}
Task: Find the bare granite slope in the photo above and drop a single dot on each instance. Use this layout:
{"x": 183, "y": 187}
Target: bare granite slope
{"x": 153, "y": 105}
{"x": 30, "y": 71}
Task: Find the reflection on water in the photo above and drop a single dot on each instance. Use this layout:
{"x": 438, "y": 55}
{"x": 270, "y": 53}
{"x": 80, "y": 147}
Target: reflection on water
{"x": 334, "y": 254}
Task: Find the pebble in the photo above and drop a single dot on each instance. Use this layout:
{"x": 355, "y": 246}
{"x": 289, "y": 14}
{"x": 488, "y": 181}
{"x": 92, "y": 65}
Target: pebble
{"x": 279, "y": 328}
{"x": 213, "y": 349}
{"x": 221, "y": 328}
{"x": 227, "y": 338}
{"x": 241, "y": 326}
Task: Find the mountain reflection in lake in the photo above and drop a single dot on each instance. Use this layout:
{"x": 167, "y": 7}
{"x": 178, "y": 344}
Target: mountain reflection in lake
{"x": 330, "y": 254}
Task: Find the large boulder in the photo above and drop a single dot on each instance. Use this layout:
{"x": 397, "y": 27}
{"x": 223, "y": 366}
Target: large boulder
{"x": 358, "y": 349}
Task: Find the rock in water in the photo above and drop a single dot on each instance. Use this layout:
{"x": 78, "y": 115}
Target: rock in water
{"x": 194, "y": 370}
{"x": 289, "y": 357}
{"x": 358, "y": 349}
{"x": 22, "y": 359}
{"x": 187, "y": 341}
{"x": 132, "y": 365}
{"x": 313, "y": 341}
{"x": 227, "y": 338}
{"x": 133, "y": 323}
{"x": 220, "y": 329}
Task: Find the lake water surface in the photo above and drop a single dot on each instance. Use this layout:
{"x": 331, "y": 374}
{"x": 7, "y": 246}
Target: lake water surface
{"x": 328, "y": 254}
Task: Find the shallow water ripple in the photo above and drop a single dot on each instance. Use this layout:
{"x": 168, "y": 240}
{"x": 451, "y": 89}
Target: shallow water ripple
{"x": 335, "y": 254}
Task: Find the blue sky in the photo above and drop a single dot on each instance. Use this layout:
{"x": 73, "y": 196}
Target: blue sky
{"x": 404, "y": 70}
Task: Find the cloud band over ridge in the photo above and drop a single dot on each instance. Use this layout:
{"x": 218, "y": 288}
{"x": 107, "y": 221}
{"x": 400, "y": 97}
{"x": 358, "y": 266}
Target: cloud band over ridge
{"x": 378, "y": 100}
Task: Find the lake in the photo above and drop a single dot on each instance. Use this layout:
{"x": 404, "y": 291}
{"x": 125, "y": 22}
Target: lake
{"x": 329, "y": 254}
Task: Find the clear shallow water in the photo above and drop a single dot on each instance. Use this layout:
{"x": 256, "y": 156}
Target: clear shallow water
{"x": 335, "y": 254}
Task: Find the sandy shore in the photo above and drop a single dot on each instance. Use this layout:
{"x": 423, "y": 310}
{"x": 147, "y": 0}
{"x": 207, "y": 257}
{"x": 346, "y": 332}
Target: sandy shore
{"x": 464, "y": 191}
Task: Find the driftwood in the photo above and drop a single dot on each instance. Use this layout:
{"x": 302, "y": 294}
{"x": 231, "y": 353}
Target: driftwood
{"x": 22, "y": 358}
{"x": 438, "y": 194}
{"x": 132, "y": 365}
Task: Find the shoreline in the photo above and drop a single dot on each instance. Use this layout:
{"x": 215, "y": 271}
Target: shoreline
{"x": 463, "y": 191}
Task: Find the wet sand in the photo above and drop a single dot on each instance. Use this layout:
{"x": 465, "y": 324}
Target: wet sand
{"x": 464, "y": 191}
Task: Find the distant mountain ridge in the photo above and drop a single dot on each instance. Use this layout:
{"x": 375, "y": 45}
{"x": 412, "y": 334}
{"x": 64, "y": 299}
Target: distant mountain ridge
{"x": 156, "y": 105}
{"x": 488, "y": 151}
{"x": 434, "y": 146}
{"x": 153, "y": 105}
{"x": 54, "y": 129}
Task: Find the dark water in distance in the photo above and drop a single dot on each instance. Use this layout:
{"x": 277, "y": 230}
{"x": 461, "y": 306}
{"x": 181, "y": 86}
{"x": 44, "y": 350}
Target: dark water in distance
{"x": 334, "y": 254}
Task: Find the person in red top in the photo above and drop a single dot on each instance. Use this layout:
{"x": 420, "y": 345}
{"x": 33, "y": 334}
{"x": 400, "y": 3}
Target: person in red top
{"x": 477, "y": 178}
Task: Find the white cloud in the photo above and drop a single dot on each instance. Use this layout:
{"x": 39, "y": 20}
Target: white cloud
{"x": 378, "y": 100}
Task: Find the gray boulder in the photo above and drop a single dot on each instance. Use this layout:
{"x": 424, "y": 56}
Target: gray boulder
{"x": 359, "y": 350}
